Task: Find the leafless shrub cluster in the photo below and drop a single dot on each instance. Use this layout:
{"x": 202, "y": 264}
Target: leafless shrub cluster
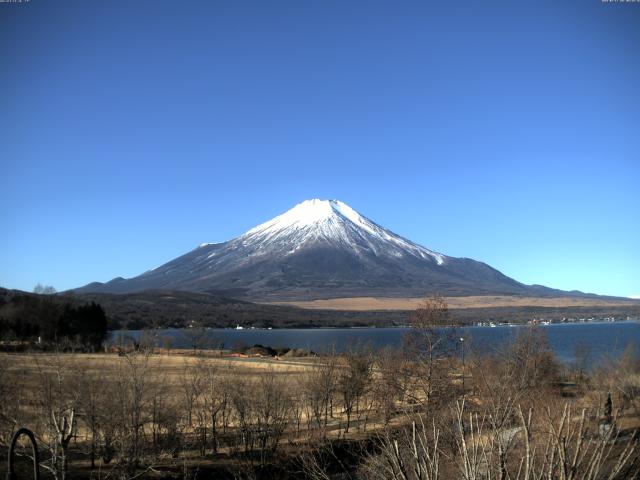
{"x": 410, "y": 412}
{"x": 564, "y": 447}
{"x": 514, "y": 422}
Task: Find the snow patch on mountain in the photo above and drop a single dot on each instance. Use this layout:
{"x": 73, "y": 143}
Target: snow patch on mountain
{"x": 332, "y": 221}
{"x": 302, "y": 215}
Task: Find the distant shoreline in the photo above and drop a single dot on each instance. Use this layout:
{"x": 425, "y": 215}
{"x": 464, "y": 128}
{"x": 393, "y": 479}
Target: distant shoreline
{"x": 395, "y": 327}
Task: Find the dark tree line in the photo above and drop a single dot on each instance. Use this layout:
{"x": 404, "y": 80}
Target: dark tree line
{"x": 49, "y": 321}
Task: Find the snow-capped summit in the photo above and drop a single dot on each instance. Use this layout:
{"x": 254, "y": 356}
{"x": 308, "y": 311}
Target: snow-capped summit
{"x": 314, "y": 212}
{"x": 304, "y": 214}
{"x": 333, "y": 221}
{"x": 319, "y": 249}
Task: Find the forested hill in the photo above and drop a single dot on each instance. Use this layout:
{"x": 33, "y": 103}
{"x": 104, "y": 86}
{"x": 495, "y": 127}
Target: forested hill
{"x": 163, "y": 309}
{"x": 158, "y": 308}
{"x": 50, "y": 321}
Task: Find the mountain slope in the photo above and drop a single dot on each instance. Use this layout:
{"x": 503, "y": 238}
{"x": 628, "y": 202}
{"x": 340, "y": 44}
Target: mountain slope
{"x": 320, "y": 249}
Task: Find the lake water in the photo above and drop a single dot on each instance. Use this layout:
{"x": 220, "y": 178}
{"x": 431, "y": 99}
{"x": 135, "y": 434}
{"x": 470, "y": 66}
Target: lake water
{"x": 603, "y": 339}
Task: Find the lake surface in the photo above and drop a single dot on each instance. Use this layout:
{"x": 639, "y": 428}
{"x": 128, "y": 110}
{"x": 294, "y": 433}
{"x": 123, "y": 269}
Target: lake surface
{"x": 602, "y": 339}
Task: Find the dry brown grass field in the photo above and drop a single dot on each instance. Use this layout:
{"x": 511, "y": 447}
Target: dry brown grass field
{"x": 170, "y": 367}
{"x": 186, "y": 414}
{"x": 489, "y": 301}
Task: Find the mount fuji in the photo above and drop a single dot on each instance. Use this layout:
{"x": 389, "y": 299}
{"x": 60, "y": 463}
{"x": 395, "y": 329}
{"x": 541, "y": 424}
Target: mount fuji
{"x": 321, "y": 249}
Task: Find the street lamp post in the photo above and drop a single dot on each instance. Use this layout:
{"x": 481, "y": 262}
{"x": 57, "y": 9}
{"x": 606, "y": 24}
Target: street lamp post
{"x": 462, "y": 348}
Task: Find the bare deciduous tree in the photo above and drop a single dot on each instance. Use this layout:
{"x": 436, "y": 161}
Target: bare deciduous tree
{"x": 320, "y": 387}
{"x": 390, "y": 382}
{"x": 353, "y": 381}
{"x": 429, "y": 347}
{"x": 12, "y": 391}
{"x": 58, "y": 404}
{"x": 271, "y": 412}
{"x": 43, "y": 289}
{"x": 196, "y": 337}
{"x": 132, "y": 384}
{"x": 560, "y": 447}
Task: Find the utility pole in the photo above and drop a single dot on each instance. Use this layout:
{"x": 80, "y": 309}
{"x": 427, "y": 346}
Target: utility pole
{"x": 462, "y": 348}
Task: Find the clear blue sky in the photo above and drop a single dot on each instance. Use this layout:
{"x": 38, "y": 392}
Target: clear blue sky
{"x": 508, "y": 132}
